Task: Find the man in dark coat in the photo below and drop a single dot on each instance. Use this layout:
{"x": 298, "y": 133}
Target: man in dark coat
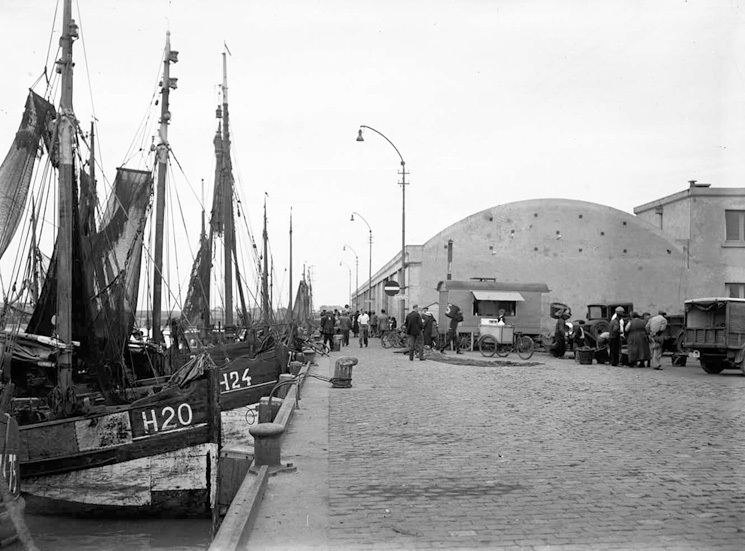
{"x": 414, "y": 327}
{"x": 616, "y": 332}
{"x": 327, "y": 328}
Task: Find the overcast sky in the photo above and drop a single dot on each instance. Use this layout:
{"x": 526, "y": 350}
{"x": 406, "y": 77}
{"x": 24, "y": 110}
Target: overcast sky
{"x": 488, "y": 102}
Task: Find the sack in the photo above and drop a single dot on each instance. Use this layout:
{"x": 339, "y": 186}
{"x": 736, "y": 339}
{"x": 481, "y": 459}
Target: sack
{"x": 659, "y": 339}
{"x": 453, "y": 311}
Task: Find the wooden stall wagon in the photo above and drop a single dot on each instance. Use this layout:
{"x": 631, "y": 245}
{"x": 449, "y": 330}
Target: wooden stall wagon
{"x": 480, "y": 301}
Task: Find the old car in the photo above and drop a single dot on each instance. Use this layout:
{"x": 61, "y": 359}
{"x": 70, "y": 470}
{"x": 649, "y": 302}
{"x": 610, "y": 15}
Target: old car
{"x": 715, "y": 332}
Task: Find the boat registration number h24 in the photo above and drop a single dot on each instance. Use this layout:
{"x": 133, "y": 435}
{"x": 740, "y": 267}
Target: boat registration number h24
{"x": 235, "y": 380}
{"x": 168, "y": 418}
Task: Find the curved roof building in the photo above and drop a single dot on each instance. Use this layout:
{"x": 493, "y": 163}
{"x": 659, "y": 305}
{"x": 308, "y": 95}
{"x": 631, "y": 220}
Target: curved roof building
{"x": 583, "y": 252}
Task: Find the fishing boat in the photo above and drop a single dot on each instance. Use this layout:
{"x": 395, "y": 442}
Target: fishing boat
{"x": 250, "y": 354}
{"x": 90, "y": 442}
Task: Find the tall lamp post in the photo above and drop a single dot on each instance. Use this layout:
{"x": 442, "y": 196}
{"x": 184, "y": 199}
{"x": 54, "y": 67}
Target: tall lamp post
{"x": 356, "y": 273}
{"x": 369, "y": 267}
{"x": 342, "y": 263}
{"x": 403, "y": 212}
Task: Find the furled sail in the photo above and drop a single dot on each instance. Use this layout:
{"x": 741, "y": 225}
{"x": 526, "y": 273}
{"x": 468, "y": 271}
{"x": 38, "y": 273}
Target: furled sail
{"x": 301, "y": 309}
{"x": 106, "y": 270}
{"x": 116, "y": 255}
{"x": 198, "y": 296}
{"x": 17, "y": 168}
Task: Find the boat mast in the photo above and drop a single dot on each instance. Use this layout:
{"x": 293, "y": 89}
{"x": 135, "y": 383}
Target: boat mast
{"x": 160, "y": 202}
{"x": 265, "y": 274}
{"x": 289, "y": 309}
{"x": 227, "y": 198}
{"x": 65, "y": 141}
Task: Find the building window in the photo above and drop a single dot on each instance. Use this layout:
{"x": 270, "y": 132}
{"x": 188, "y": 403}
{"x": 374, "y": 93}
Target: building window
{"x": 734, "y": 222}
{"x": 735, "y": 290}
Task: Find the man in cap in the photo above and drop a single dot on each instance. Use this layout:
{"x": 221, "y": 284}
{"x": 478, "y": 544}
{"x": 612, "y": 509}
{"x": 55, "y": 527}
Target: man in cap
{"x": 414, "y": 325}
{"x": 656, "y": 329}
{"x": 616, "y": 333}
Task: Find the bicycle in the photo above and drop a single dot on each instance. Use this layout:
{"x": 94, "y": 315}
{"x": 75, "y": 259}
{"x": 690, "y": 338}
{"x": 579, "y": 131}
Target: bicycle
{"x": 393, "y": 338}
{"x": 522, "y": 344}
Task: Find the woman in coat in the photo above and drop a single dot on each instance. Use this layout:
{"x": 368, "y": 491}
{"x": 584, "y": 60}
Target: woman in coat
{"x": 636, "y": 340}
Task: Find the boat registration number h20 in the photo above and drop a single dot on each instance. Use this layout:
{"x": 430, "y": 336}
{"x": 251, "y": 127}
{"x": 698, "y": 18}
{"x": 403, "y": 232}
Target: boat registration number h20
{"x": 235, "y": 380}
{"x": 167, "y": 418}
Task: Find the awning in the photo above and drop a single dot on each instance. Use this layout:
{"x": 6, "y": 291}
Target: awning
{"x": 503, "y": 296}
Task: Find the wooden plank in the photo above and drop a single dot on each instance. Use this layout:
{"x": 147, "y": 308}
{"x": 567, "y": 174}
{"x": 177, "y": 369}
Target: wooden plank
{"x": 143, "y": 447}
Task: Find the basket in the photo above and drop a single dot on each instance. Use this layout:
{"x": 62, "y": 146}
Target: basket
{"x": 585, "y": 355}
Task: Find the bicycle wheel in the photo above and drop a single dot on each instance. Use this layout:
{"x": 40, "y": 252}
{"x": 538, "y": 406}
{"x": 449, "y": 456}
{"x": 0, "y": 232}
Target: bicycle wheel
{"x": 487, "y": 345}
{"x": 525, "y": 347}
{"x": 387, "y": 341}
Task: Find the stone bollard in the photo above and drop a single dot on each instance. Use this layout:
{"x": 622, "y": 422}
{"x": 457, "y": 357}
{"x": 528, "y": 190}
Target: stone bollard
{"x": 295, "y": 368}
{"x": 310, "y": 356}
{"x": 285, "y": 388}
{"x": 343, "y": 372}
{"x": 267, "y": 413}
{"x": 266, "y": 445}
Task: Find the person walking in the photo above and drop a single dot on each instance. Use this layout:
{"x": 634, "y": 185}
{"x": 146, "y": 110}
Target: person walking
{"x": 382, "y": 323}
{"x": 636, "y": 338}
{"x": 656, "y": 330}
{"x": 373, "y": 324}
{"x": 615, "y": 335}
{"x": 356, "y": 324}
{"x": 427, "y": 321}
{"x": 452, "y": 335}
{"x": 364, "y": 322}
{"x": 327, "y": 328}
{"x": 345, "y": 325}
{"x": 414, "y": 326}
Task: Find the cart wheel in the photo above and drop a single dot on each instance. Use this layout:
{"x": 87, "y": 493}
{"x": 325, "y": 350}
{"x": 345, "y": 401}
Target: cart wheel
{"x": 525, "y": 347}
{"x": 487, "y": 346}
{"x": 464, "y": 342}
{"x": 503, "y": 350}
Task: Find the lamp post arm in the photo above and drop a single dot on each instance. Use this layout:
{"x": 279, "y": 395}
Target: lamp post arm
{"x": 403, "y": 163}
{"x": 363, "y": 219}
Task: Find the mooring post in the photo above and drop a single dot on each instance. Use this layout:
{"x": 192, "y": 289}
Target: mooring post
{"x": 284, "y": 384}
{"x": 343, "y": 372}
{"x": 268, "y": 408}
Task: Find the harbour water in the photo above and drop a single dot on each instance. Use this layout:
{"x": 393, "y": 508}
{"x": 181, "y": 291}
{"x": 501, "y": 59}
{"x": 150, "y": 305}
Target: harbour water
{"x": 52, "y": 533}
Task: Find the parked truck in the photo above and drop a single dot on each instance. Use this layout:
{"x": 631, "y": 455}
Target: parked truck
{"x": 715, "y": 333}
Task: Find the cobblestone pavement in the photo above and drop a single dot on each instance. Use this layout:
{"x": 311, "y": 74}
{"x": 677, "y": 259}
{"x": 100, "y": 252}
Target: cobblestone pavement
{"x": 553, "y": 456}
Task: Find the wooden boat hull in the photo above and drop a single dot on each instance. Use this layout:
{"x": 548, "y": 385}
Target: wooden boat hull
{"x": 180, "y": 483}
{"x": 156, "y": 456}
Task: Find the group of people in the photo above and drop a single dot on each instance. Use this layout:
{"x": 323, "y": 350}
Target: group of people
{"x": 420, "y": 327}
{"x": 644, "y": 333}
{"x": 362, "y": 325}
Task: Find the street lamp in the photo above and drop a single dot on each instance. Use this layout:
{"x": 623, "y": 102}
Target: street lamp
{"x": 342, "y": 263}
{"x": 403, "y": 212}
{"x": 356, "y": 273}
{"x": 369, "y": 268}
